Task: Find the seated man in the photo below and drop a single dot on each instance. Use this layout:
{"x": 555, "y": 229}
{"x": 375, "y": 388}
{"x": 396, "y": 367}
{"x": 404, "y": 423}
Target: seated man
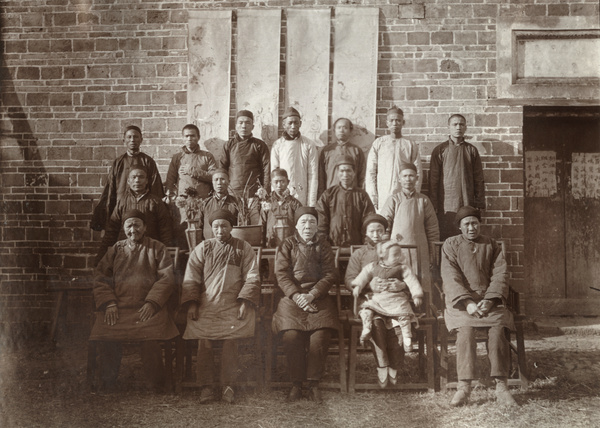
{"x": 474, "y": 277}
{"x": 343, "y": 207}
{"x": 132, "y": 284}
{"x": 221, "y": 289}
{"x": 158, "y": 220}
{"x": 220, "y": 199}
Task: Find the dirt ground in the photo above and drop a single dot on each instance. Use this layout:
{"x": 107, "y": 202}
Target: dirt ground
{"x": 44, "y": 386}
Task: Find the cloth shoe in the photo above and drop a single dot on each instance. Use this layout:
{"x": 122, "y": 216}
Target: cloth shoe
{"x": 228, "y": 395}
{"x": 392, "y": 375}
{"x": 295, "y": 394}
{"x": 382, "y": 376}
{"x": 206, "y": 395}
{"x": 503, "y": 395}
{"x": 315, "y": 394}
{"x": 463, "y": 391}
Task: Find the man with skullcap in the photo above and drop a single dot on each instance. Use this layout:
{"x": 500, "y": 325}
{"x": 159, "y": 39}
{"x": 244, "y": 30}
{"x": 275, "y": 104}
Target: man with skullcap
{"x": 131, "y": 286}
{"x": 385, "y": 157}
{"x": 116, "y": 182}
{"x": 221, "y": 291}
{"x": 297, "y": 155}
{"x": 475, "y": 283}
{"x": 246, "y": 158}
{"x": 343, "y": 207}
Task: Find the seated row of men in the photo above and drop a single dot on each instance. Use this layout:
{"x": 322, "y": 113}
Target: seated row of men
{"x": 221, "y": 289}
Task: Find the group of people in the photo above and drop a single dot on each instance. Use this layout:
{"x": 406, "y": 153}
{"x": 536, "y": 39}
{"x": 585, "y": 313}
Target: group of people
{"x": 310, "y": 202}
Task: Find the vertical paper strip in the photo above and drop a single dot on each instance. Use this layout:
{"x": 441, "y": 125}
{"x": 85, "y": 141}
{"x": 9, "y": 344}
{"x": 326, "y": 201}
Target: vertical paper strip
{"x": 257, "y": 86}
{"x": 209, "y": 48}
{"x": 307, "y": 69}
{"x": 355, "y": 70}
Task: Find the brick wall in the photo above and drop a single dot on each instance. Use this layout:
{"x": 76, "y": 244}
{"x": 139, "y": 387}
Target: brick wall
{"x": 75, "y": 73}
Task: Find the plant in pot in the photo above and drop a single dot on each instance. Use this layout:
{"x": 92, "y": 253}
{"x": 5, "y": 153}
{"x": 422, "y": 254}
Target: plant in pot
{"x": 247, "y": 206}
{"x": 189, "y": 203}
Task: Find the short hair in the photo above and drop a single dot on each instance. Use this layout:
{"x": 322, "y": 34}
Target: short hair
{"x": 135, "y": 128}
{"x": 395, "y": 109}
{"x": 280, "y": 172}
{"x": 456, "y": 115}
{"x": 344, "y": 118}
{"x": 191, "y": 126}
{"x": 138, "y": 168}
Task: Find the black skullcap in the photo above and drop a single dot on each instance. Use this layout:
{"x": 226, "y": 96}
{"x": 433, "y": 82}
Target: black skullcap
{"x": 222, "y": 215}
{"x": 134, "y": 213}
{"x": 289, "y": 112}
{"x": 406, "y": 165}
{"x": 305, "y": 210}
{"x": 135, "y": 128}
{"x": 374, "y": 218}
{"x": 219, "y": 171}
{"x": 345, "y": 160}
{"x": 244, "y": 113}
{"x": 466, "y": 211}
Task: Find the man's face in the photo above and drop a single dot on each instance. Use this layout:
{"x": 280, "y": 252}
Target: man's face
{"x": 395, "y": 122}
{"x": 291, "y": 125}
{"x": 469, "y": 226}
{"x": 375, "y": 232}
{"x": 244, "y": 126}
{"x": 279, "y": 184}
{"x": 137, "y": 181}
{"x": 133, "y": 140}
{"x": 342, "y": 130}
{"x": 307, "y": 226}
{"x": 220, "y": 182}
{"x": 408, "y": 180}
{"x": 134, "y": 229}
{"x": 457, "y": 127}
{"x": 394, "y": 256}
{"x": 345, "y": 175}
{"x": 190, "y": 139}
{"x": 221, "y": 229}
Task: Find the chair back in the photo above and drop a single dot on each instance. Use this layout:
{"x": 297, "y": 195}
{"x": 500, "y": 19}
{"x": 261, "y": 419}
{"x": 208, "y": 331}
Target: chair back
{"x": 174, "y": 300}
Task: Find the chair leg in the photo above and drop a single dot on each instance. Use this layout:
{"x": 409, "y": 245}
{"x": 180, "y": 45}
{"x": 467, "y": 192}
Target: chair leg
{"x": 269, "y": 359}
{"x": 523, "y": 375}
{"x": 92, "y": 365}
{"x": 421, "y": 340}
{"x": 56, "y": 316}
{"x": 354, "y": 332}
{"x": 342, "y": 360}
{"x": 430, "y": 359}
{"x": 168, "y": 345}
{"x": 443, "y": 357}
{"x": 179, "y": 358}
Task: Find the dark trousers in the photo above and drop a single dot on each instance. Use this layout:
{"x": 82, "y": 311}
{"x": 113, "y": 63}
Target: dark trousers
{"x": 205, "y": 367}
{"x": 110, "y": 354}
{"x": 385, "y": 344}
{"x": 466, "y": 352}
{"x": 447, "y": 225}
{"x": 306, "y": 352}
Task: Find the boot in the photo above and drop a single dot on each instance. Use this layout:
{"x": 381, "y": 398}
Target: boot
{"x": 503, "y": 395}
{"x": 463, "y": 391}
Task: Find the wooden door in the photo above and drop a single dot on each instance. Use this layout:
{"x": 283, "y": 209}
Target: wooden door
{"x": 562, "y": 210}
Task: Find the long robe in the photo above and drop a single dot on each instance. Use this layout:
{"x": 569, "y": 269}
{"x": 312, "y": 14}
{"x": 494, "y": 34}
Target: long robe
{"x": 199, "y": 164}
{"x": 213, "y": 203}
{"x": 341, "y": 213}
{"x": 358, "y": 260}
{"x": 302, "y": 267}
{"x": 413, "y": 221}
{"x": 474, "y": 270}
{"x": 327, "y": 165}
{"x": 277, "y": 208}
{"x": 385, "y": 158}
{"x": 246, "y": 160}
{"x": 116, "y": 184}
{"x": 218, "y": 276}
{"x": 131, "y": 278}
{"x": 299, "y": 157}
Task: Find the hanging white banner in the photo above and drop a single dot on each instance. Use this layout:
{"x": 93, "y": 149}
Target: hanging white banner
{"x": 258, "y": 50}
{"x": 209, "y": 47}
{"x": 355, "y": 70}
{"x": 307, "y": 69}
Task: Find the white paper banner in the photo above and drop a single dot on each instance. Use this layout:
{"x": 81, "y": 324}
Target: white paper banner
{"x": 355, "y": 70}
{"x": 307, "y": 69}
{"x": 585, "y": 175}
{"x": 258, "y": 59}
{"x": 209, "y": 47}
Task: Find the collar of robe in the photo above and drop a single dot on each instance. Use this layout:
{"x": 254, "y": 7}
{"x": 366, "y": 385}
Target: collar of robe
{"x": 188, "y": 151}
{"x": 310, "y": 242}
{"x": 130, "y": 153}
{"x": 287, "y": 136}
{"x": 456, "y": 142}
{"x": 239, "y": 139}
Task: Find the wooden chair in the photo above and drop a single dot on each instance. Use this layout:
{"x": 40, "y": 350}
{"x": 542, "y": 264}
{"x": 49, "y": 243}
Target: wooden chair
{"x": 169, "y": 346}
{"x": 518, "y": 363}
{"x": 425, "y": 339}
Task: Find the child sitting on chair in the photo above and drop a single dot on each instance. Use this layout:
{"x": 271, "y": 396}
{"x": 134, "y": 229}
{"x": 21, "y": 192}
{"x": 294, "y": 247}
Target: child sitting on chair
{"x": 392, "y": 283}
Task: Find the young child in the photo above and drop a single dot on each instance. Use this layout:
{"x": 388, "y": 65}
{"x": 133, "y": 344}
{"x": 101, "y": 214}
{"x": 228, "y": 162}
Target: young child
{"x": 391, "y": 289}
{"x": 277, "y": 210}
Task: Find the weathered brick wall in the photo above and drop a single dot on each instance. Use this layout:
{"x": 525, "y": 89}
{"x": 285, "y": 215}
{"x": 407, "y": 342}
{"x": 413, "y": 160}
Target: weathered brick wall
{"x": 76, "y": 72}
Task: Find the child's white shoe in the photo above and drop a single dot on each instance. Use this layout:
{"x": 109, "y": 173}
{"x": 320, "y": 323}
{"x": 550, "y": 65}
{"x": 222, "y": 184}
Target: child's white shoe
{"x": 407, "y": 342}
{"x": 392, "y": 375}
{"x": 382, "y": 376}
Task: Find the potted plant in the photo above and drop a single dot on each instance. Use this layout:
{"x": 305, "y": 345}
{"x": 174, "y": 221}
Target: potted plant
{"x": 189, "y": 202}
{"x": 246, "y": 206}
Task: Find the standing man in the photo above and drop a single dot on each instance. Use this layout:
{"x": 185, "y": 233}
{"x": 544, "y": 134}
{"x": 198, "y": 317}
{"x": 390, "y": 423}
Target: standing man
{"x": 342, "y": 208}
{"x": 246, "y": 158}
{"x": 342, "y": 147}
{"x": 475, "y": 282}
{"x": 298, "y": 156}
{"x": 386, "y": 156}
{"x": 116, "y": 182}
{"x": 455, "y": 176}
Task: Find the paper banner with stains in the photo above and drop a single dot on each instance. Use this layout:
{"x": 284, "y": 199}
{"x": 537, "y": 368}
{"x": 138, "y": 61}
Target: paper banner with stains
{"x": 307, "y": 69}
{"x": 355, "y": 70}
{"x": 257, "y": 86}
{"x": 209, "y": 50}
{"x": 585, "y": 175}
{"x": 540, "y": 174}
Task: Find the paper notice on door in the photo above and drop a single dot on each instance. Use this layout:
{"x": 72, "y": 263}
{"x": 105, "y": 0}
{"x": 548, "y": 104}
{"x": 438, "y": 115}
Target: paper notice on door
{"x": 540, "y": 174}
{"x": 585, "y": 175}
